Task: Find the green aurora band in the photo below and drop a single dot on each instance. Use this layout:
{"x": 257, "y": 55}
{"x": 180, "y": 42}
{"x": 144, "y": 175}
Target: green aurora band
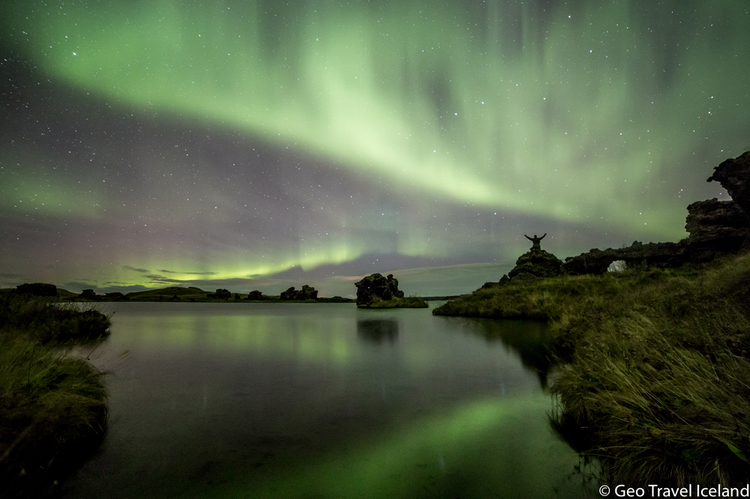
{"x": 584, "y": 114}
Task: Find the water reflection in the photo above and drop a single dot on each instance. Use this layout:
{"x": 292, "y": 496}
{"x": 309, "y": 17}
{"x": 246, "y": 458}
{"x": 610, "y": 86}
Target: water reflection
{"x": 378, "y": 330}
{"x": 525, "y": 338}
{"x": 298, "y": 400}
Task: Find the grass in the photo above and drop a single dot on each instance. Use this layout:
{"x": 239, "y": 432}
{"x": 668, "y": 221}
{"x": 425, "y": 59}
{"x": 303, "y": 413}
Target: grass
{"x": 395, "y": 302}
{"x": 655, "y": 374}
{"x": 52, "y": 407}
{"x": 539, "y": 299}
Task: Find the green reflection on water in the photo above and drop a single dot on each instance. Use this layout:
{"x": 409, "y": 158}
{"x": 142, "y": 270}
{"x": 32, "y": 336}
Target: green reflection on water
{"x": 486, "y": 448}
{"x": 292, "y": 335}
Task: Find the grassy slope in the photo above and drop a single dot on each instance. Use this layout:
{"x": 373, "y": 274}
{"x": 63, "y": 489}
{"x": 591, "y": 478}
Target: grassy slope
{"x": 407, "y": 302}
{"x": 52, "y": 408}
{"x": 656, "y": 376}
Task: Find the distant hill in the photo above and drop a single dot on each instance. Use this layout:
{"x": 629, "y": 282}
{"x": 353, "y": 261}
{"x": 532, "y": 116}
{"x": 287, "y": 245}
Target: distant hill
{"x": 176, "y": 293}
{"x": 165, "y": 294}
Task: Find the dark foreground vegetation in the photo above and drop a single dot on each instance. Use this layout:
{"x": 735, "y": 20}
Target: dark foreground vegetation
{"x": 396, "y": 302}
{"x": 654, "y": 366}
{"x": 53, "y": 410}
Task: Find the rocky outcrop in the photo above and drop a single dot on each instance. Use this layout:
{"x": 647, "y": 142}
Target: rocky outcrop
{"x": 734, "y": 176}
{"x": 536, "y": 263}
{"x": 375, "y": 287}
{"x": 306, "y": 293}
{"x": 220, "y": 294}
{"x": 715, "y": 228}
{"x": 37, "y": 289}
{"x": 637, "y": 255}
{"x": 89, "y": 294}
{"x": 714, "y": 220}
{"x": 256, "y": 295}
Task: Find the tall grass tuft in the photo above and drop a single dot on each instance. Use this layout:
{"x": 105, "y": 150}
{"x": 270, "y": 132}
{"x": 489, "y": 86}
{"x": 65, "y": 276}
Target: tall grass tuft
{"x": 52, "y": 407}
{"x": 654, "y": 378}
{"x": 659, "y": 377}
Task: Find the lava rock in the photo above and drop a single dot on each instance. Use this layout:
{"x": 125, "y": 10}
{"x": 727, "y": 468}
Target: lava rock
{"x": 306, "y": 293}
{"x": 734, "y": 176}
{"x": 375, "y": 287}
{"x": 536, "y": 263}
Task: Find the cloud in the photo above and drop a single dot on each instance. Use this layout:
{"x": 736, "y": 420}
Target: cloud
{"x": 128, "y": 267}
{"x": 186, "y": 273}
{"x": 164, "y": 280}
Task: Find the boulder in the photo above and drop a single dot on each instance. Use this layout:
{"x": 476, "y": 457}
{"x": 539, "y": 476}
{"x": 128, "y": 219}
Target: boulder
{"x": 536, "y": 263}
{"x": 375, "y": 287}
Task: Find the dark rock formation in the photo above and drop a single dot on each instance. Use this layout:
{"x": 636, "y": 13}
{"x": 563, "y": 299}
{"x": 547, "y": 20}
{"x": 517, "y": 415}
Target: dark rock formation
{"x": 255, "y": 295}
{"x": 536, "y": 263}
{"x": 375, "y": 287}
{"x": 221, "y": 294}
{"x": 716, "y": 228}
{"x": 638, "y": 255}
{"x": 37, "y": 289}
{"x": 734, "y": 176}
{"x": 306, "y": 293}
{"x": 714, "y": 220}
{"x": 89, "y": 294}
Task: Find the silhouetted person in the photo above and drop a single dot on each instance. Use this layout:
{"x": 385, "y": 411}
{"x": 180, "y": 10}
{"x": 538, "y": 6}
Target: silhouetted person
{"x": 535, "y": 242}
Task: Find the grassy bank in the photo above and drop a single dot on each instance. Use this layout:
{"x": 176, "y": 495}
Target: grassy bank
{"x": 52, "y": 408}
{"x": 655, "y": 374}
{"x": 407, "y": 302}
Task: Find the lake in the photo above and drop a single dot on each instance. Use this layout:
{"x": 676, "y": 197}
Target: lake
{"x": 323, "y": 400}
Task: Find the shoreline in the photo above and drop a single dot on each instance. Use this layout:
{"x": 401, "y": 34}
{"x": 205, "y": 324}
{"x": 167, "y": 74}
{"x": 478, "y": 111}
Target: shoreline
{"x": 53, "y": 414}
{"x": 653, "y": 366}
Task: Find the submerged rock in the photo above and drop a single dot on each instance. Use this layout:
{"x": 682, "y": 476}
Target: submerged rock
{"x": 375, "y": 287}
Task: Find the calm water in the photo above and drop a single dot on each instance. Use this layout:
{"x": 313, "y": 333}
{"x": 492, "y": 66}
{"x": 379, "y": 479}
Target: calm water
{"x": 322, "y": 400}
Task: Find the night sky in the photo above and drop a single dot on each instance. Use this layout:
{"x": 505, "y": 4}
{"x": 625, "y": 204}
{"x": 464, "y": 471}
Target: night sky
{"x": 266, "y": 144}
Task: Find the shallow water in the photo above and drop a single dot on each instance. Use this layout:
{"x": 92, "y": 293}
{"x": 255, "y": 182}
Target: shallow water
{"x": 323, "y": 400}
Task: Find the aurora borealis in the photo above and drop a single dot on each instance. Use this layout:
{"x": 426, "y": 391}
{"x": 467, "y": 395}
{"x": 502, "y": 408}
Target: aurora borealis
{"x": 258, "y": 144}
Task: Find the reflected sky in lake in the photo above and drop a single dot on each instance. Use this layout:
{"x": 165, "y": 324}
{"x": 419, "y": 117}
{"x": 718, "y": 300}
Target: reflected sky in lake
{"x": 308, "y": 400}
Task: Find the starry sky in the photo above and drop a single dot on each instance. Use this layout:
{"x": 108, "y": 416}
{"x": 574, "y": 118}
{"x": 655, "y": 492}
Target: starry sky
{"x": 260, "y": 144}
